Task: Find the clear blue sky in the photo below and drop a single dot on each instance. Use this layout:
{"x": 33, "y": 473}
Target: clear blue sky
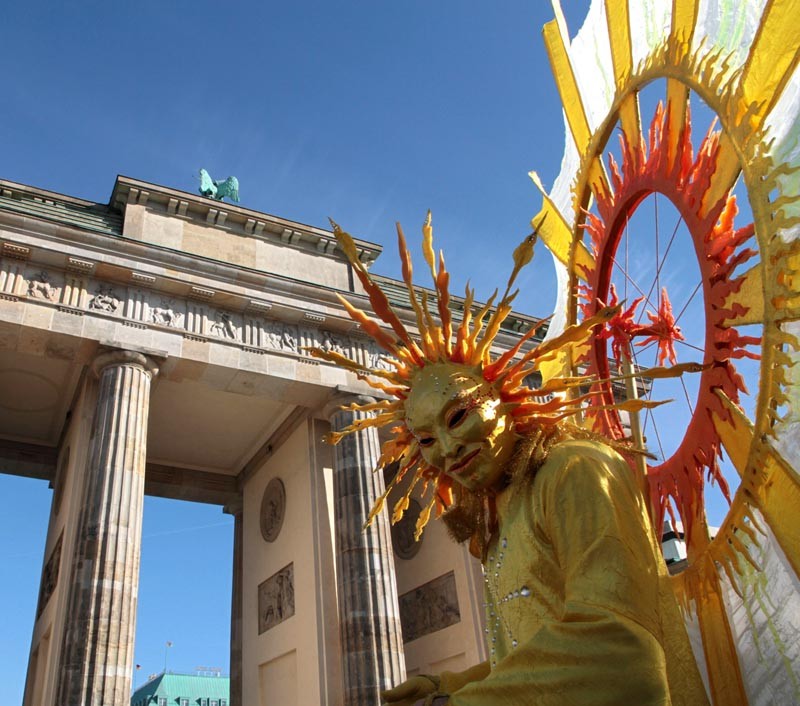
{"x": 365, "y": 112}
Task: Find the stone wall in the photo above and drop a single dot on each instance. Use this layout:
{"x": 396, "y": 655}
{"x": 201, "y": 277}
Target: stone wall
{"x": 290, "y": 580}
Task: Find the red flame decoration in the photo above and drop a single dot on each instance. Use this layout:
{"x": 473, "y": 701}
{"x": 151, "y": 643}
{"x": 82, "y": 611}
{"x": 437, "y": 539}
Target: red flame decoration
{"x": 686, "y": 179}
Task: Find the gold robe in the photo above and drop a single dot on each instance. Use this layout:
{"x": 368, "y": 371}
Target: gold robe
{"x": 578, "y": 605}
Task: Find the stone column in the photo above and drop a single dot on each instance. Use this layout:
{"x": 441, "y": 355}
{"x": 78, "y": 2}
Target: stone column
{"x": 235, "y": 509}
{"x": 369, "y": 616}
{"x": 97, "y": 646}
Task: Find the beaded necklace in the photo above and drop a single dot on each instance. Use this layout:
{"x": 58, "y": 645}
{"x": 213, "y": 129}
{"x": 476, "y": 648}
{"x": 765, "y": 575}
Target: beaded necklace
{"x": 496, "y": 619}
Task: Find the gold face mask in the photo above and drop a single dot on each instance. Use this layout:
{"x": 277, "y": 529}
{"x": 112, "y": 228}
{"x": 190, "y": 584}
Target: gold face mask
{"x": 460, "y": 423}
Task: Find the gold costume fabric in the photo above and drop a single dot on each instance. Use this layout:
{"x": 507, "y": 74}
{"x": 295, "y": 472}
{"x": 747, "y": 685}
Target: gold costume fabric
{"x": 578, "y": 608}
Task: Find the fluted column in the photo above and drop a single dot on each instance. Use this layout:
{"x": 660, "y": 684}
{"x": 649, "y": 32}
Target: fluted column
{"x": 372, "y": 644}
{"x": 97, "y": 649}
{"x": 235, "y": 509}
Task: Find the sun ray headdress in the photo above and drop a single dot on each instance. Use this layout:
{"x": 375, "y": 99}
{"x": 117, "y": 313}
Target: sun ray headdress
{"x": 468, "y": 341}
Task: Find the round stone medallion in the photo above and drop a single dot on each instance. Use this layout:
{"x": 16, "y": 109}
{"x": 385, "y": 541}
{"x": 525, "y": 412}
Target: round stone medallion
{"x": 273, "y": 508}
{"x": 403, "y": 532}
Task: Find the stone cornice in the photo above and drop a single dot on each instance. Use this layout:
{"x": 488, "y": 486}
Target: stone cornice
{"x": 7, "y": 188}
{"x": 61, "y": 247}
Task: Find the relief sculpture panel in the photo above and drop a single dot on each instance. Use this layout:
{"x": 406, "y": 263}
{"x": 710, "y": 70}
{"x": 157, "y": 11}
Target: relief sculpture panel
{"x": 405, "y": 546}
{"x": 223, "y": 326}
{"x": 429, "y": 607}
{"x": 281, "y": 336}
{"x": 49, "y": 577}
{"x": 42, "y": 285}
{"x": 276, "y": 599}
{"x": 105, "y": 299}
{"x": 165, "y": 313}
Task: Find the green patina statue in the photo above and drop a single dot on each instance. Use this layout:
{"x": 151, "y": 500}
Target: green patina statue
{"x": 219, "y": 189}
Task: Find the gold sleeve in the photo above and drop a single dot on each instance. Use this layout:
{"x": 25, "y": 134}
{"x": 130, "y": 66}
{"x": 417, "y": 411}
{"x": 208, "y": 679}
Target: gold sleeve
{"x": 605, "y": 647}
{"x": 453, "y": 681}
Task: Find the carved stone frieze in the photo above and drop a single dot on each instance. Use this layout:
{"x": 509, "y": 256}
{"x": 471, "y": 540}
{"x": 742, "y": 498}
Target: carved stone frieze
{"x": 430, "y": 607}
{"x": 41, "y": 285}
{"x": 332, "y": 342}
{"x": 281, "y": 336}
{"x": 192, "y": 315}
{"x": 49, "y": 577}
{"x": 165, "y": 313}
{"x": 374, "y": 356}
{"x": 273, "y": 509}
{"x": 105, "y": 299}
{"x": 405, "y": 546}
{"x": 223, "y": 326}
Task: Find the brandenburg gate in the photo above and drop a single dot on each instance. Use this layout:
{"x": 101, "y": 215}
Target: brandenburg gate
{"x": 156, "y": 345}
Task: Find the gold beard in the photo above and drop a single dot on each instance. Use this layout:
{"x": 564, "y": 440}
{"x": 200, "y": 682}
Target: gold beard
{"x": 472, "y": 516}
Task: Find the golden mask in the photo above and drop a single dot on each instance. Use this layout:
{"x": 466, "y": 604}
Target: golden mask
{"x": 460, "y": 424}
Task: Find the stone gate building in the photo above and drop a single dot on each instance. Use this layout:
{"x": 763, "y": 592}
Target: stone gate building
{"x": 155, "y": 345}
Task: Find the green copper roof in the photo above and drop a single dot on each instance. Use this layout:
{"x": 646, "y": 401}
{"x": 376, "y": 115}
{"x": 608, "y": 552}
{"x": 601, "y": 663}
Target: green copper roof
{"x": 174, "y": 687}
{"x": 95, "y": 217}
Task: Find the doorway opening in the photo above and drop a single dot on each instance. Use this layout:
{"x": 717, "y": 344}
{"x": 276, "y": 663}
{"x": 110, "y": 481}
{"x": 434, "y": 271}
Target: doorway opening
{"x": 183, "y": 623}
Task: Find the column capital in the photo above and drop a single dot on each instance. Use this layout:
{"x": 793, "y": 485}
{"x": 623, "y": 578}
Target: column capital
{"x": 108, "y": 358}
{"x": 340, "y": 398}
{"x": 234, "y": 507}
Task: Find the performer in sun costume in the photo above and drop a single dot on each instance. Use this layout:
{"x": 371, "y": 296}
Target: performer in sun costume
{"x": 579, "y": 608}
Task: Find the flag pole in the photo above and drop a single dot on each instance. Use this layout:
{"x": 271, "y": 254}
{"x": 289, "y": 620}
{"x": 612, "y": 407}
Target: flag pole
{"x": 167, "y": 645}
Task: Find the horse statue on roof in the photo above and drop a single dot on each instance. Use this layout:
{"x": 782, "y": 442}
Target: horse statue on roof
{"x": 219, "y": 189}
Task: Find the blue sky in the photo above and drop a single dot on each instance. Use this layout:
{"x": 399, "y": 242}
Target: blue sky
{"x": 366, "y": 112}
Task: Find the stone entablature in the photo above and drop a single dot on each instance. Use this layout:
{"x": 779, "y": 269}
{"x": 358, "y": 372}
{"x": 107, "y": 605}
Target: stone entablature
{"x": 246, "y": 323}
{"x": 194, "y": 315}
{"x": 142, "y": 283}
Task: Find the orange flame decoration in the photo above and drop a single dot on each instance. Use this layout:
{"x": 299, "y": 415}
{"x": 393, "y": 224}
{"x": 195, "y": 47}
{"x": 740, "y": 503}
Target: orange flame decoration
{"x": 686, "y": 179}
{"x": 469, "y": 342}
{"x": 622, "y": 328}
{"x": 663, "y": 331}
